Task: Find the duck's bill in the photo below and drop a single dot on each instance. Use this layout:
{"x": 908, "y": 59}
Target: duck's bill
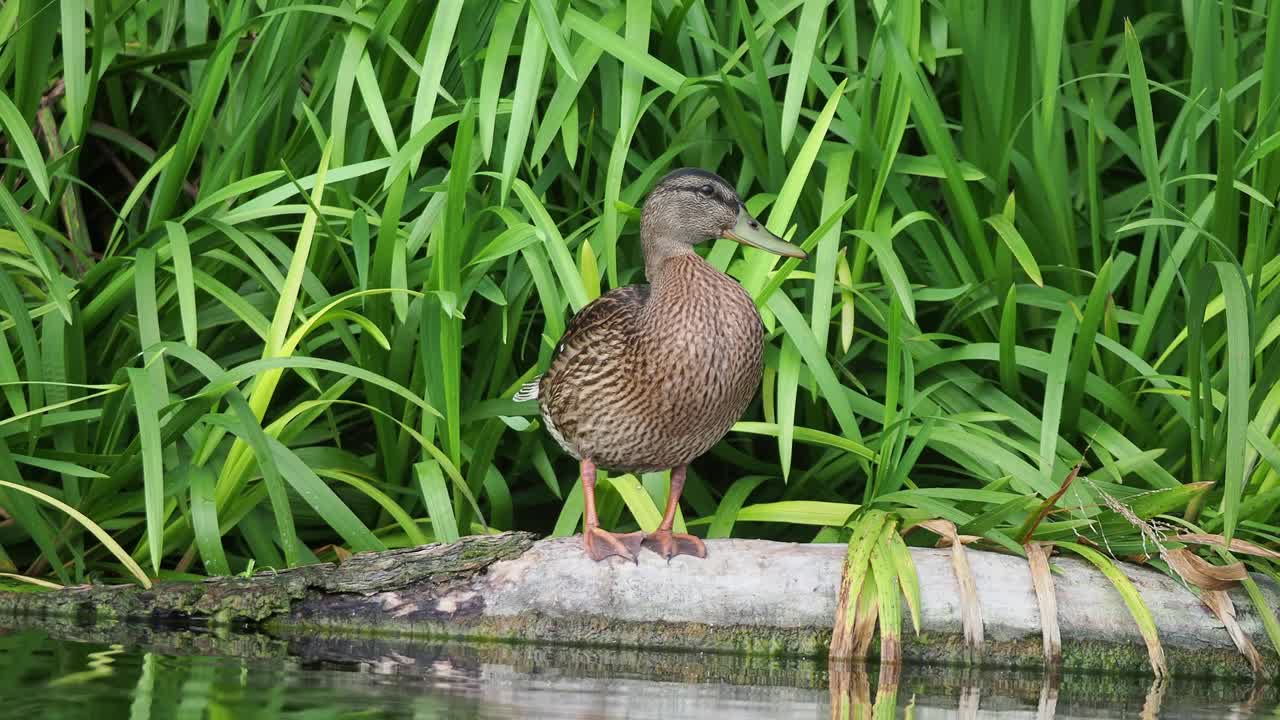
{"x": 750, "y": 231}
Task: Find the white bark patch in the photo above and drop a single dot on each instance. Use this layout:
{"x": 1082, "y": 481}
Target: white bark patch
{"x": 397, "y": 606}
{"x": 450, "y": 603}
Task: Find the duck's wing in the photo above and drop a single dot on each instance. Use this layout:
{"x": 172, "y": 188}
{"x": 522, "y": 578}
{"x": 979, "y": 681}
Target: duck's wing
{"x": 599, "y": 333}
{"x": 598, "y": 327}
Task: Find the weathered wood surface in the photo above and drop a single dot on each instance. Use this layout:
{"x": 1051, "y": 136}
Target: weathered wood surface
{"x": 748, "y": 596}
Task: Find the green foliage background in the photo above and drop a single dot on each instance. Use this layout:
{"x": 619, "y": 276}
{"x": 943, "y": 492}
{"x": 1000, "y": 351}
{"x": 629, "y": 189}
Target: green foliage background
{"x": 271, "y": 270}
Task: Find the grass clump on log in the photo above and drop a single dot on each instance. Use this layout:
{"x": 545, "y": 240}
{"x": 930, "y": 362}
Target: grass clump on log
{"x": 272, "y": 272}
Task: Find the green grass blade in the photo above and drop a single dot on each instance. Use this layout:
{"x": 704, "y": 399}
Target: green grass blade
{"x": 888, "y": 595}
{"x": 435, "y": 496}
{"x": 638, "y": 501}
{"x": 397, "y": 513}
{"x": 788, "y": 379}
{"x": 1009, "y": 378}
{"x": 183, "y": 154}
{"x": 545, "y": 11}
{"x": 1021, "y": 252}
{"x": 204, "y": 521}
{"x": 74, "y": 72}
{"x": 727, "y": 511}
{"x": 839, "y": 167}
{"x": 806, "y": 37}
{"x": 784, "y": 206}
{"x": 112, "y": 546}
{"x": 866, "y": 532}
{"x": 904, "y": 566}
{"x": 832, "y": 391}
{"x": 894, "y": 274}
{"x": 19, "y": 132}
{"x": 652, "y": 68}
{"x": 495, "y": 63}
{"x": 27, "y": 516}
{"x": 148, "y": 402}
{"x": 636, "y": 32}
{"x": 1239, "y": 336}
{"x": 180, "y": 248}
{"x": 439, "y": 44}
{"x": 38, "y": 253}
{"x": 1082, "y": 352}
{"x": 322, "y": 499}
{"x": 801, "y": 512}
{"x": 524, "y": 100}
{"x": 557, "y": 249}
{"x": 1132, "y": 600}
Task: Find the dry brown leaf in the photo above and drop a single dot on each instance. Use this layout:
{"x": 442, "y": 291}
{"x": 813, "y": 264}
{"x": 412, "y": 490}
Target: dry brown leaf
{"x": 342, "y": 553}
{"x": 944, "y": 541}
{"x": 937, "y": 527}
{"x": 1051, "y": 501}
{"x": 1046, "y": 597}
{"x": 970, "y": 610}
{"x": 864, "y": 623}
{"x": 841, "y": 634}
{"x": 1220, "y": 603}
{"x": 1203, "y": 574}
{"x": 1243, "y": 547}
{"x": 851, "y": 640}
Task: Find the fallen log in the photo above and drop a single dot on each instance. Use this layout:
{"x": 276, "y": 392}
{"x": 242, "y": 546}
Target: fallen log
{"x": 749, "y": 597}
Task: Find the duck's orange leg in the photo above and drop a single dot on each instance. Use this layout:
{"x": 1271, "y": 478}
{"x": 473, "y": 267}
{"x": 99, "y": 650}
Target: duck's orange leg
{"x": 663, "y": 541}
{"x": 601, "y": 544}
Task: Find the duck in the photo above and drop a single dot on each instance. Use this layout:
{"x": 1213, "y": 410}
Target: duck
{"x": 648, "y": 377}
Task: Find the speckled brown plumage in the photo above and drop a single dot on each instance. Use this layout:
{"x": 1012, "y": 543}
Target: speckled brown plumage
{"x": 649, "y": 377}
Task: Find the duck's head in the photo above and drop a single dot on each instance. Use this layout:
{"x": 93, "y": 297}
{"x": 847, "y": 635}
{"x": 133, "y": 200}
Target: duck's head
{"x": 690, "y": 206}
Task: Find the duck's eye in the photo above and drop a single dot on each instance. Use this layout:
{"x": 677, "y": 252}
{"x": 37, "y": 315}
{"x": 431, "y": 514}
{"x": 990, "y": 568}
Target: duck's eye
{"x": 707, "y": 190}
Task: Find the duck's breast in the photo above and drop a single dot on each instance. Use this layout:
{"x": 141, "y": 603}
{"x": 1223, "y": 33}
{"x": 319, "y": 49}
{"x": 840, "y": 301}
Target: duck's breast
{"x": 650, "y": 379}
{"x": 699, "y": 353}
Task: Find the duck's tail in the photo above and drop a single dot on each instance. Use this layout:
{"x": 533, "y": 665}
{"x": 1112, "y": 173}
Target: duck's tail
{"x": 528, "y": 391}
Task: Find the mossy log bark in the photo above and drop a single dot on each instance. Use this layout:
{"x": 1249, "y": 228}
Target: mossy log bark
{"x": 748, "y": 596}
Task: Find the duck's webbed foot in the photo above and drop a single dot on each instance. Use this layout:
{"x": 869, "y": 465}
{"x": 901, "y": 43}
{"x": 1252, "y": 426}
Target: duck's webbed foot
{"x": 601, "y": 544}
{"x": 668, "y": 544}
{"x": 663, "y": 541}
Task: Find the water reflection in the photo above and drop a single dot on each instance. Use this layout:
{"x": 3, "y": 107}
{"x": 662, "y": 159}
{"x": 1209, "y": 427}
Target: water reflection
{"x": 154, "y": 673}
{"x": 966, "y": 694}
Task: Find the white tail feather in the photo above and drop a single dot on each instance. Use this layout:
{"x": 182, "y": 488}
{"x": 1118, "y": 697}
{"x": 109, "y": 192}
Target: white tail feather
{"x": 529, "y": 391}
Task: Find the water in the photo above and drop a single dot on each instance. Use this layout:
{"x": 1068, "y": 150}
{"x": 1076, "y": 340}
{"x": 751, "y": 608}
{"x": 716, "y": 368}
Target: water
{"x": 149, "y": 673}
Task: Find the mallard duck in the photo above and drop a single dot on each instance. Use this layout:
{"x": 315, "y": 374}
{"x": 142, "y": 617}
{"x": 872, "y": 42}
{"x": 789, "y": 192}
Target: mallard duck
{"x": 649, "y": 377}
